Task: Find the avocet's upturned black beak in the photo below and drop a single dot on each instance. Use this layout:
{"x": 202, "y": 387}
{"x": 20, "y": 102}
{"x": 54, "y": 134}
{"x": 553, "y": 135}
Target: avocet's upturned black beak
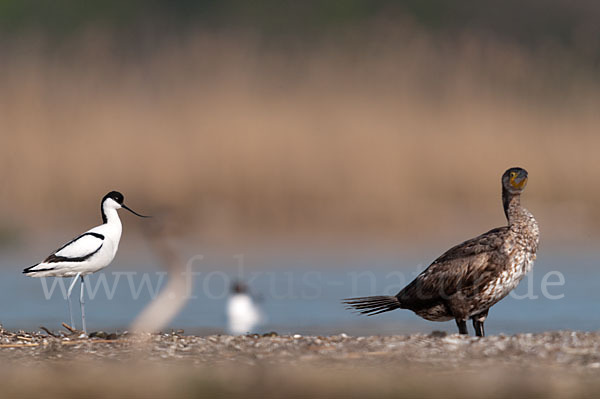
{"x": 134, "y": 212}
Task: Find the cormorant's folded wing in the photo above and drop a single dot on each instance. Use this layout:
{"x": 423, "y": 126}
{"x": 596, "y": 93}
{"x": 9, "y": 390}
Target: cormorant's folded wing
{"x": 465, "y": 266}
{"x": 487, "y": 242}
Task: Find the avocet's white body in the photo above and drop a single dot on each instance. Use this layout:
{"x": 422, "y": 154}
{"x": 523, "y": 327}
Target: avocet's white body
{"x": 91, "y": 251}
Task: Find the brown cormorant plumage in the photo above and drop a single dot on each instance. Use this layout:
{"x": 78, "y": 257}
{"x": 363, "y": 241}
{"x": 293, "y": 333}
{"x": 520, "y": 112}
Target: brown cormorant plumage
{"x": 469, "y": 278}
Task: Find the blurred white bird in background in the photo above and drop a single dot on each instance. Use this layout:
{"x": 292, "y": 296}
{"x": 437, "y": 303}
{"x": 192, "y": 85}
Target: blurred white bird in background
{"x": 243, "y": 315}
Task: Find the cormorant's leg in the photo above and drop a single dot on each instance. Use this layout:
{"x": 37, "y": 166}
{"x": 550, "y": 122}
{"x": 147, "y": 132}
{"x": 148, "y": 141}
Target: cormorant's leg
{"x": 478, "y": 326}
{"x": 478, "y": 321}
{"x": 462, "y": 326}
{"x": 69, "y": 298}
{"x": 82, "y": 303}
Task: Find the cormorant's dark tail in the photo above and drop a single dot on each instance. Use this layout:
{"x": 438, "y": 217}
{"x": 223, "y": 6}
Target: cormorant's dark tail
{"x": 372, "y": 305}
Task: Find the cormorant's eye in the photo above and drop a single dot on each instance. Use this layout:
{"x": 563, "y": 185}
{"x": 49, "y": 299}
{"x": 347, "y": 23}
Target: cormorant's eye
{"x": 513, "y": 174}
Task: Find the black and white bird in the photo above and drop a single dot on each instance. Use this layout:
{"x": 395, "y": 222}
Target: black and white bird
{"x": 243, "y": 315}
{"x": 87, "y": 253}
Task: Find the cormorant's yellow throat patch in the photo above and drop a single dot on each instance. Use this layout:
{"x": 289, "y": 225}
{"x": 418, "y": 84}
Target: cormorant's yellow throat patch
{"x": 520, "y": 184}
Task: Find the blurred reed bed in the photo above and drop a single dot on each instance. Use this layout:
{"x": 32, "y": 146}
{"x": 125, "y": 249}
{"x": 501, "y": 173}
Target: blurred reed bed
{"x": 392, "y": 131}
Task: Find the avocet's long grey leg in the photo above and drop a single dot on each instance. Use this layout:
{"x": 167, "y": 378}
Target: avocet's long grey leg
{"x": 82, "y": 303}
{"x": 69, "y": 297}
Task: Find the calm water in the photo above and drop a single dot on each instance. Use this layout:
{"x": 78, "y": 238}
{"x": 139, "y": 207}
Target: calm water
{"x": 301, "y": 293}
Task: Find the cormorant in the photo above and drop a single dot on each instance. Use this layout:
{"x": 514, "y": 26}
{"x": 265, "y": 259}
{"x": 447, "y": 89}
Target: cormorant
{"x": 469, "y": 278}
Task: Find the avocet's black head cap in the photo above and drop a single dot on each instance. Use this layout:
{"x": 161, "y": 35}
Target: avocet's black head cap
{"x": 514, "y": 180}
{"x": 116, "y": 196}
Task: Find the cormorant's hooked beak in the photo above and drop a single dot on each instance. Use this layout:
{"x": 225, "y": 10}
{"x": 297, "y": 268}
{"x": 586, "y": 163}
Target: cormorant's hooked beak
{"x": 134, "y": 212}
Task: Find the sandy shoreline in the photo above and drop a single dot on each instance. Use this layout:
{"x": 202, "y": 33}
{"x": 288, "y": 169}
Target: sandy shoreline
{"x": 561, "y": 363}
{"x": 575, "y": 349}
